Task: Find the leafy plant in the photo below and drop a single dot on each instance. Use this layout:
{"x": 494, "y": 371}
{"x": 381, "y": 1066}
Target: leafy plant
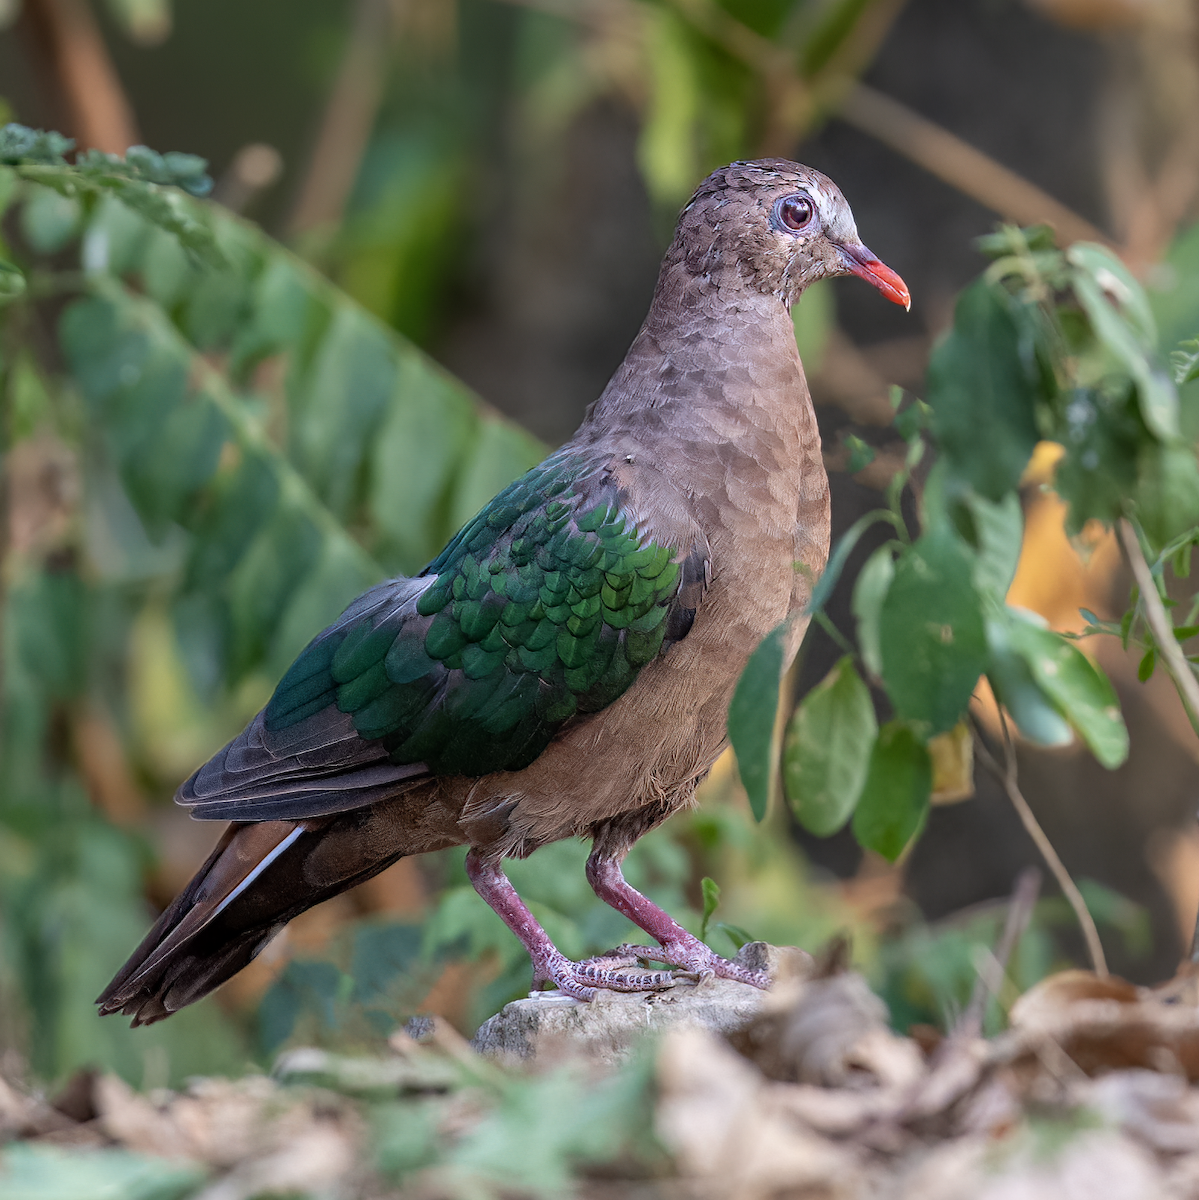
{"x": 243, "y": 447}
{"x": 1049, "y": 345}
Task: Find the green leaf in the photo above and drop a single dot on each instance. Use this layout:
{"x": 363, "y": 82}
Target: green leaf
{"x": 1012, "y": 240}
{"x": 1166, "y": 499}
{"x": 982, "y": 395}
{"x": 869, "y": 592}
{"x": 738, "y": 936}
{"x": 894, "y": 801}
{"x": 12, "y": 282}
{"x": 1119, "y": 286}
{"x": 20, "y": 144}
{"x": 1035, "y": 714}
{"x": 1082, "y": 692}
{"x": 376, "y": 428}
{"x": 338, "y": 407}
{"x": 8, "y": 184}
{"x": 1105, "y": 440}
{"x": 1186, "y": 362}
{"x": 840, "y": 555}
{"x": 860, "y": 454}
{"x": 711, "y": 895}
{"x": 752, "y": 714}
{"x": 825, "y": 752}
{"x": 36, "y": 1172}
{"x": 912, "y": 420}
{"x": 501, "y": 453}
{"x": 931, "y": 631}
{"x": 272, "y": 556}
{"x": 1147, "y": 663}
{"x": 415, "y": 459}
{"x": 1127, "y": 341}
{"x": 49, "y": 220}
{"x": 999, "y": 533}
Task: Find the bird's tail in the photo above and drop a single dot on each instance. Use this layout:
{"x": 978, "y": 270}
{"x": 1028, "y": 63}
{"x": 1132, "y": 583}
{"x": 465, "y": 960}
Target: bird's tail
{"x": 258, "y": 878}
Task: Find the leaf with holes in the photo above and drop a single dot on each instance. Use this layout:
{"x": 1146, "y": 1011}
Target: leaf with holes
{"x": 1079, "y": 689}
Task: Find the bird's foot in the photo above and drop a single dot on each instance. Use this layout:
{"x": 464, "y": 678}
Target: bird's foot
{"x": 692, "y": 958}
{"x": 613, "y": 972}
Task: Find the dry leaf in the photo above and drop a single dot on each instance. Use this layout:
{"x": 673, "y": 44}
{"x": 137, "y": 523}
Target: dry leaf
{"x": 726, "y": 1126}
{"x": 832, "y": 1032}
{"x": 952, "y": 753}
{"x": 1103, "y": 1025}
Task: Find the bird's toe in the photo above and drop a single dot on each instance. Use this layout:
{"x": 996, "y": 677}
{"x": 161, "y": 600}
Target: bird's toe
{"x": 614, "y": 971}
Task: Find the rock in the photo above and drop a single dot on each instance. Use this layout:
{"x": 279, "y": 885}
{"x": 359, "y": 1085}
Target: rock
{"x": 605, "y": 1030}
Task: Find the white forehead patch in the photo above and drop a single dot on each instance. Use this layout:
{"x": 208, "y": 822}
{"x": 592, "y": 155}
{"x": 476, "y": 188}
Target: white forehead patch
{"x": 835, "y": 214}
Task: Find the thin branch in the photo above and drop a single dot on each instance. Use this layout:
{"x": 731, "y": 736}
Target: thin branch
{"x": 1168, "y": 648}
{"x": 97, "y": 111}
{"x": 1019, "y": 913}
{"x": 348, "y": 120}
{"x": 1159, "y": 622}
{"x": 960, "y": 164}
{"x": 1007, "y": 777}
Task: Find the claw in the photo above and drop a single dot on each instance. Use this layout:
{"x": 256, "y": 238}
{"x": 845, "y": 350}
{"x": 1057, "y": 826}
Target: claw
{"x": 613, "y": 973}
{"x": 693, "y": 958}
{"x": 691, "y": 962}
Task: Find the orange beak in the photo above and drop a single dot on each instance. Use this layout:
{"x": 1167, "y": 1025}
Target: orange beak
{"x": 864, "y": 265}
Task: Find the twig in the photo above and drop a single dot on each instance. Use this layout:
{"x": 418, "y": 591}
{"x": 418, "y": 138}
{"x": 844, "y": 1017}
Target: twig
{"x": 960, "y": 164}
{"x": 1168, "y": 648}
{"x": 1159, "y": 622}
{"x": 1019, "y": 913}
{"x": 97, "y": 111}
{"x": 1007, "y": 777}
{"x": 349, "y": 117}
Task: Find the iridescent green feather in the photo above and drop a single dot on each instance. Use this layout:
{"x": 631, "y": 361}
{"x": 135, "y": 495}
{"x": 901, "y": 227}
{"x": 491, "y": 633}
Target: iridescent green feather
{"x": 545, "y": 605}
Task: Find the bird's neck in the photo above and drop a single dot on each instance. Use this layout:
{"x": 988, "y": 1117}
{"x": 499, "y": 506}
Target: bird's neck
{"x": 715, "y": 359}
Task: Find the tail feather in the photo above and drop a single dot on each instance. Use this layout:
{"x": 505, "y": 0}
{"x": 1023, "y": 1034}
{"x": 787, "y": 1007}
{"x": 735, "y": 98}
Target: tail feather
{"x": 257, "y": 879}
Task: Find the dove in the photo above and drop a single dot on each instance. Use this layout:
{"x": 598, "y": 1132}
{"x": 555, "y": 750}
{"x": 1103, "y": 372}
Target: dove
{"x": 563, "y": 668}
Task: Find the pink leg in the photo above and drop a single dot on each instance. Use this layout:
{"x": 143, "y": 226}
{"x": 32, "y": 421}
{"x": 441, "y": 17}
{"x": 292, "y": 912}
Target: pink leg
{"x": 550, "y": 965}
{"x": 679, "y": 948}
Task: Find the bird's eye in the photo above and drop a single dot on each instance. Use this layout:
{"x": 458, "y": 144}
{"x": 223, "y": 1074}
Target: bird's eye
{"x": 795, "y": 212}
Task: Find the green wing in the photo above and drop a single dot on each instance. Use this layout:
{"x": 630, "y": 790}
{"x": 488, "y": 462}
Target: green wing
{"x": 545, "y": 606}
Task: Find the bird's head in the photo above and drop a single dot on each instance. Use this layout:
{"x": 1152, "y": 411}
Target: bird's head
{"x": 780, "y": 227}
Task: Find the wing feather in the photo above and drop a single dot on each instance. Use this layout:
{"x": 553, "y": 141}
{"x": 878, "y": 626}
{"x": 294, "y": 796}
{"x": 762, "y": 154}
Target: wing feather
{"x": 542, "y": 610}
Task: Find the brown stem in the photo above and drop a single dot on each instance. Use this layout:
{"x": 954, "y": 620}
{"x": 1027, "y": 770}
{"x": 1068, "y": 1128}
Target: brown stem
{"x": 1168, "y": 648}
{"x": 1019, "y": 913}
{"x": 95, "y": 109}
{"x": 1159, "y": 621}
{"x": 959, "y": 164}
{"x": 1007, "y": 777}
{"x": 349, "y": 116}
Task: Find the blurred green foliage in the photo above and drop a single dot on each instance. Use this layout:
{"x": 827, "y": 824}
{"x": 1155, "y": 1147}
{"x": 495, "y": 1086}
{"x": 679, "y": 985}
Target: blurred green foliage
{"x": 253, "y": 451}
